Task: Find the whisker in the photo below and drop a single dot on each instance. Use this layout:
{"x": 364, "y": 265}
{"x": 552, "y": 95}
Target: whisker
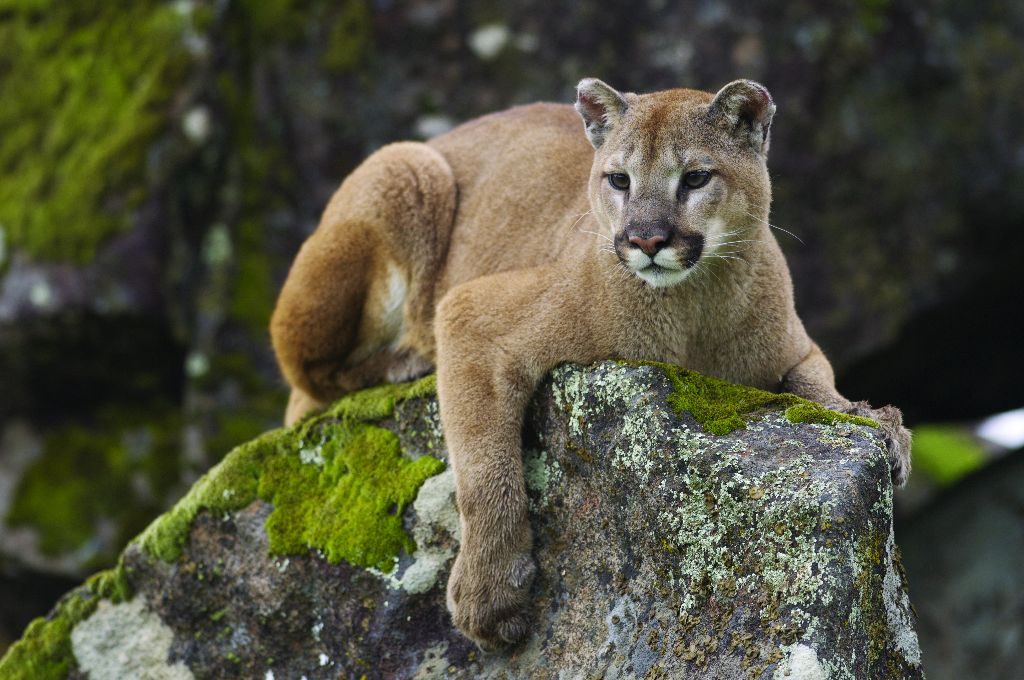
{"x": 786, "y": 231}
{"x": 703, "y": 267}
{"x": 584, "y": 231}
{"x": 579, "y": 218}
{"x": 729, "y": 243}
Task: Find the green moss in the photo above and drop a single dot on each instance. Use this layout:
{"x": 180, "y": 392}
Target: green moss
{"x": 118, "y": 469}
{"x": 946, "y": 452}
{"x": 44, "y": 650}
{"x": 337, "y": 484}
{"x": 379, "y": 402}
{"x": 84, "y": 86}
{"x": 111, "y": 584}
{"x": 350, "y": 507}
{"x": 809, "y": 412}
{"x": 721, "y": 407}
{"x": 230, "y": 485}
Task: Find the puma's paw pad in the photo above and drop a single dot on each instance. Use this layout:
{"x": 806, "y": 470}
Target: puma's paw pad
{"x": 488, "y": 600}
{"x": 897, "y": 438}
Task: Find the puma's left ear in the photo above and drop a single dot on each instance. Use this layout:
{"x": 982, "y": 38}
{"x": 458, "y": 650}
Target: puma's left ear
{"x": 745, "y": 109}
{"x": 601, "y": 106}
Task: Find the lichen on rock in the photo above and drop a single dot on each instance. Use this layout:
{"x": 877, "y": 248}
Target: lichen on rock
{"x": 44, "y": 651}
{"x": 125, "y": 640}
{"x": 664, "y": 550}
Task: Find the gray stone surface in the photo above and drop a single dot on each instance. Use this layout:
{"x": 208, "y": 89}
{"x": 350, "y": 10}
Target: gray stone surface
{"x": 664, "y": 551}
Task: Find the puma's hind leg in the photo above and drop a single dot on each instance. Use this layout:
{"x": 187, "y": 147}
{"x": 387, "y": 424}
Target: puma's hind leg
{"x": 357, "y": 306}
{"x": 300, "y": 405}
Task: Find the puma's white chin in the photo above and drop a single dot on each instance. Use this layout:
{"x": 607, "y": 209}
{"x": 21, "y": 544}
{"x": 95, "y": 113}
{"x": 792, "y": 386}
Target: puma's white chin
{"x": 661, "y": 277}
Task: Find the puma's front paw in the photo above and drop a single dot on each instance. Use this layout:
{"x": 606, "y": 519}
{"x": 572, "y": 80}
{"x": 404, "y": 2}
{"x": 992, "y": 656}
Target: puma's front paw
{"x": 897, "y": 437}
{"x": 488, "y": 597}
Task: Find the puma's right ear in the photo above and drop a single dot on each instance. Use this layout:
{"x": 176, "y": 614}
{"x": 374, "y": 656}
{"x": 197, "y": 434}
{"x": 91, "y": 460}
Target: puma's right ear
{"x": 745, "y": 109}
{"x": 601, "y": 106}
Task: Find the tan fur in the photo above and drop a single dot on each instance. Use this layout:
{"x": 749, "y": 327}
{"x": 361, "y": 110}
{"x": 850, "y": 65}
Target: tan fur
{"x": 507, "y": 252}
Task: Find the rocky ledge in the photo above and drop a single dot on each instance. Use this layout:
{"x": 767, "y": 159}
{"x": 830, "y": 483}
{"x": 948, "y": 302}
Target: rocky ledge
{"x": 685, "y": 528}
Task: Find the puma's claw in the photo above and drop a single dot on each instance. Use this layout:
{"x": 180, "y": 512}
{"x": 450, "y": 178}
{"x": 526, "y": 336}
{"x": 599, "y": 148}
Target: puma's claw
{"x": 897, "y": 438}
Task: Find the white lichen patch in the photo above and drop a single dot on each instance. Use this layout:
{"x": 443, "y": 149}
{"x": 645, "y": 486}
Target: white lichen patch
{"x": 801, "y": 663}
{"x": 436, "y": 534}
{"x": 125, "y": 641}
{"x": 312, "y": 455}
{"x": 617, "y": 389}
{"x": 435, "y": 663}
{"x": 621, "y": 623}
{"x": 779, "y": 522}
{"x": 897, "y": 608}
{"x": 569, "y": 393}
{"x": 540, "y": 474}
{"x": 634, "y": 450}
{"x": 837, "y": 435}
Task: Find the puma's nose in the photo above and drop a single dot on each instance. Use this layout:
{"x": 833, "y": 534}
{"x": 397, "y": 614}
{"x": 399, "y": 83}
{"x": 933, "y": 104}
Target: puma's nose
{"x": 651, "y": 245}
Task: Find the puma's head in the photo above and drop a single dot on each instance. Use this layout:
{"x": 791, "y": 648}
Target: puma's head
{"x": 678, "y": 175}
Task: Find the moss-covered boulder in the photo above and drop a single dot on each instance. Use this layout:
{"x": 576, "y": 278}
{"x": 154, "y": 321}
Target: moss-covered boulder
{"x": 670, "y": 545}
{"x": 161, "y": 163}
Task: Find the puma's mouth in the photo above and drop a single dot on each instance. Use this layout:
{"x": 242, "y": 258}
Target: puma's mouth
{"x": 661, "y": 276}
{"x": 665, "y": 268}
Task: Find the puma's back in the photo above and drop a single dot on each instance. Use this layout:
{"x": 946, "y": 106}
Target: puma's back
{"x": 522, "y": 188}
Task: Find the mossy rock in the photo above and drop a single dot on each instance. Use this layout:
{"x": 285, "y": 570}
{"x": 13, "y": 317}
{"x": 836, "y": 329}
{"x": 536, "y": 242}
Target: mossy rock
{"x": 86, "y": 86}
{"x": 665, "y": 550}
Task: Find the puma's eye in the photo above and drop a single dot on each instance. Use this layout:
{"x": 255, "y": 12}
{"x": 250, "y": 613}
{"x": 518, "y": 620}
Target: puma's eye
{"x": 696, "y": 179}
{"x": 619, "y": 181}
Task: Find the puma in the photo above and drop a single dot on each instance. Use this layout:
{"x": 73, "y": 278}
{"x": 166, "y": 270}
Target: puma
{"x": 521, "y": 240}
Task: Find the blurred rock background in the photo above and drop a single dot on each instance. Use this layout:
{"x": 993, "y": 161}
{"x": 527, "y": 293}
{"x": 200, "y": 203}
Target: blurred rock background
{"x": 161, "y": 162}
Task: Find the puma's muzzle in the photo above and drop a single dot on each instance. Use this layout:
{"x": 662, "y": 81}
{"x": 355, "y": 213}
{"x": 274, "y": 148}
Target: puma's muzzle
{"x": 658, "y": 253}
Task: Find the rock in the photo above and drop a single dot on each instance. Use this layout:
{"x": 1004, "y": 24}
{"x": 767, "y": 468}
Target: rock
{"x": 963, "y": 554}
{"x": 763, "y": 551}
{"x": 160, "y": 166}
